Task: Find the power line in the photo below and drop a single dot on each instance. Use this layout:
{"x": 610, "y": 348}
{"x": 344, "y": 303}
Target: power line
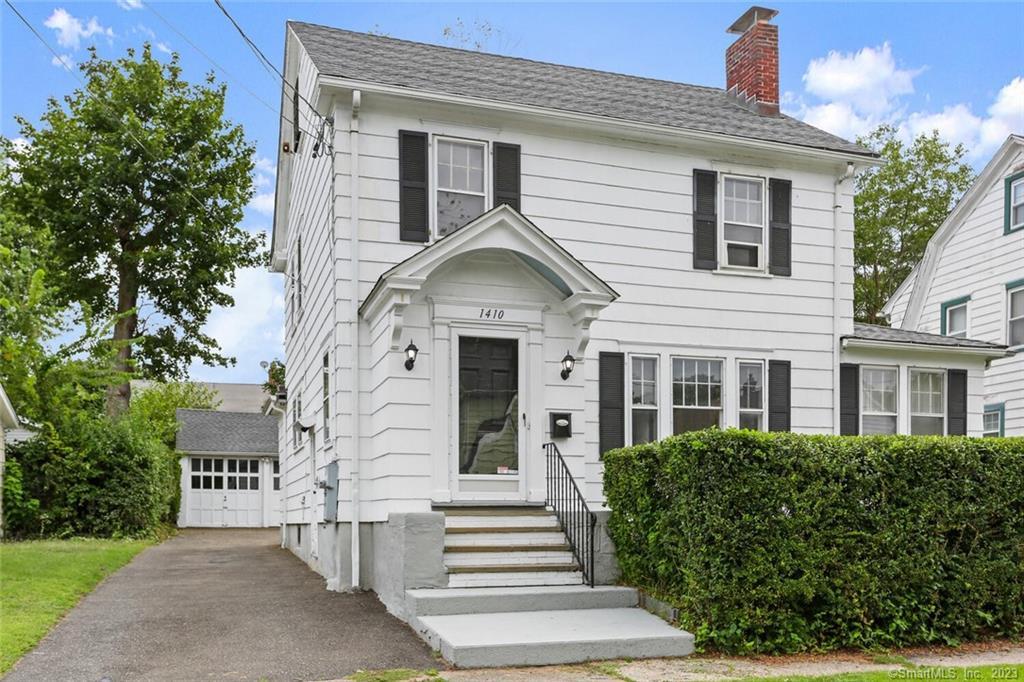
{"x": 110, "y": 111}
{"x": 227, "y": 73}
{"x": 263, "y": 58}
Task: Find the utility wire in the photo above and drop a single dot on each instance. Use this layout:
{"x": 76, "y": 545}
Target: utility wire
{"x": 110, "y": 111}
{"x": 323, "y": 138}
{"x": 226, "y": 73}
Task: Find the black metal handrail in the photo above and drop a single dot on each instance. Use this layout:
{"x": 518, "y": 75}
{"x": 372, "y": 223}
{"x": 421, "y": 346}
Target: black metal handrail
{"x": 577, "y": 521}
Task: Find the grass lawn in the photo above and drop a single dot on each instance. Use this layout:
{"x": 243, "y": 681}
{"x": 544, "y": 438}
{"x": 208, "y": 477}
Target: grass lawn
{"x": 41, "y": 580}
{"x": 1006, "y": 673}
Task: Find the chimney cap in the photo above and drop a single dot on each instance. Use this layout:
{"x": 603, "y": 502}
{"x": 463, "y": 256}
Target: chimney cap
{"x": 752, "y": 16}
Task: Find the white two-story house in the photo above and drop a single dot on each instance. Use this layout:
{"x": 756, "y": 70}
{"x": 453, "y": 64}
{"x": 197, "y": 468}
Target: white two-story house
{"x": 970, "y": 282}
{"x": 498, "y": 269}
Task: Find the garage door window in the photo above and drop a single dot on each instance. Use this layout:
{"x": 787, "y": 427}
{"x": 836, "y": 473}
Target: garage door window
{"x": 217, "y": 474}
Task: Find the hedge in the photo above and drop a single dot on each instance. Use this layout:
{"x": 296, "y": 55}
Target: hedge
{"x": 781, "y": 543}
{"x": 101, "y": 478}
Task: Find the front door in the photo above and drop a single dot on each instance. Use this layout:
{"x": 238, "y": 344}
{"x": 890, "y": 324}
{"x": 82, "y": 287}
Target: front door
{"x": 490, "y": 418}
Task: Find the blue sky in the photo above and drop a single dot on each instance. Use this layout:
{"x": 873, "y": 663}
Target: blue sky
{"x": 956, "y": 67}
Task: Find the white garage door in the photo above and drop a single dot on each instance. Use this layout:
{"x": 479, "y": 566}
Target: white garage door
{"x": 226, "y": 491}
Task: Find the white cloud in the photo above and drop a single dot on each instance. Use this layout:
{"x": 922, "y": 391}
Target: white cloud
{"x": 163, "y": 47}
{"x": 64, "y": 61}
{"x": 251, "y": 329}
{"x": 263, "y": 203}
{"x": 70, "y": 30}
{"x": 265, "y": 165}
{"x": 850, "y": 94}
{"x": 868, "y": 80}
{"x": 129, "y": 4}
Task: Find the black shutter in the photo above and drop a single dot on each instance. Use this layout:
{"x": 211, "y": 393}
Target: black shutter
{"x": 705, "y": 221}
{"x": 956, "y": 404}
{"x": 849, "y": 399}
{"x": 506, "y": 175}
{"x": 780, "y": 239}
{"x": 412, "y": 191}
{"x": 779, "y": 403}
{"x": 611, "y": 393}
{"x": 296, "y": 131}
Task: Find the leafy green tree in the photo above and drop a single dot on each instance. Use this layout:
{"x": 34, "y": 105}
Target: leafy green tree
{"x": 154, "y": 406}
{"x": 897, "y": 209}
{"x": 141, "y": 181}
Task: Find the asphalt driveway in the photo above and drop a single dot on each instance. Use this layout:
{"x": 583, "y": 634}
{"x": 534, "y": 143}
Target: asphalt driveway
{"x": 221, "y": 604}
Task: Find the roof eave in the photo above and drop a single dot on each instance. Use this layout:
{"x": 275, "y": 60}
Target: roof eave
{"x": 8, "y": 417}
{"x": 875, "y": 344}
{"x": 815, "y": 153}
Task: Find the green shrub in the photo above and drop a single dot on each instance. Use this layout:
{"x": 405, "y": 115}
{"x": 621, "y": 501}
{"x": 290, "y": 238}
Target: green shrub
{"x": 95, "y": 477}
{"x": 786, "y": 543}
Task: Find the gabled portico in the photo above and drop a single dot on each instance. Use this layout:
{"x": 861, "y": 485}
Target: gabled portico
{"x": 493, "y": 308}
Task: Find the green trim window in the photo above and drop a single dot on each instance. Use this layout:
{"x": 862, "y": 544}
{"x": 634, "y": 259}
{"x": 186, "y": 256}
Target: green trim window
{"x": 992, "y": 420}
{"x": 1015, "y": 314}
{"x": 953, "y": 317}
{"x": 1013, "y": 219}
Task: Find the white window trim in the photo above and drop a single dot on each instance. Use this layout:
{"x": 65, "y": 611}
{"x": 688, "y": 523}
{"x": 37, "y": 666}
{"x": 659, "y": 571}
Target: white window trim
{"x": 967, "y": 320}
{"x": 725, "y": 379}
{"x": 432, "y": 176}
{"x": 326, "y": 372}
{"x": 860, "y": 389}
{"x": 723, "y": 261}
{"x": 910, "y": 397}
{"x": 1013, "y": 187}
{"x": 740, "y": 410}
{"x": 1009, "y": 301}
{"x": 656, "y": 408}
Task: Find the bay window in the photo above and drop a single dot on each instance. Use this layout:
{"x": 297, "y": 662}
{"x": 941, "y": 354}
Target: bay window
{"x": 927, "y": 402}
{"x": 644, "y": 385}
{"x": 461, "y": 192}
{"x": 696, "y": 394}
{"x": 743, "y": 221}
{"x": 878, "y": 399}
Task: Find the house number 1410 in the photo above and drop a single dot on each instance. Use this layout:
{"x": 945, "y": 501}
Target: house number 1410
{"x": 491, "y": 313}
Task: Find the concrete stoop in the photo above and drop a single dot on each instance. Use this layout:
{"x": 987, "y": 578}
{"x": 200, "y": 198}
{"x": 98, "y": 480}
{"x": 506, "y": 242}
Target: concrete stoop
{"x": 514, "y": 626}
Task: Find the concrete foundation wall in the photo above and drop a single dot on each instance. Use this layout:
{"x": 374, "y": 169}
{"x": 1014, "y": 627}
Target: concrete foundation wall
{"x": 606, "y": 566}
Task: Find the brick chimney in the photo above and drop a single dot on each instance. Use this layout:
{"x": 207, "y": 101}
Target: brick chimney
{"x": 752, "y": 62}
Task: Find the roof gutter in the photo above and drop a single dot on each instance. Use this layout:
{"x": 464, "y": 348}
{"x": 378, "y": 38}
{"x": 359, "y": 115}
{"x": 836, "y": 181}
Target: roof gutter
{"x": 689, "y": 134}
{"x": 873, "y": 344}
{"x": 8, "y": 417}
{"x": 837, "y": 290}
{"x": 353, "y": 320}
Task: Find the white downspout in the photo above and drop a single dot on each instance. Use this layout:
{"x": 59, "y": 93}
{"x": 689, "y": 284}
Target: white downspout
{"x": 354, "y": 324}
{"x": 837, "y": 291}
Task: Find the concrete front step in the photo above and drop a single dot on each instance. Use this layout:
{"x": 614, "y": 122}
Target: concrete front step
{"x": 524, "y": 559}
{"x": 450, "y": 601}
{"x": 548, "y": 521}
{"x": 539, "y": 547}
{"x": 526, "y": 577}
{"x": 537, "y": 510}
{"x": 545, "y": 537}
{"x": 481, "y": 640}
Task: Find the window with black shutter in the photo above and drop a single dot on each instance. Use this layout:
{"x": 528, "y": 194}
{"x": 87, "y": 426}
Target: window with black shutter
{"x": 507, "y": 175}
{"x": 413, "y": 218}
{"x": 611, "y": 401}
{"x": 956, "y": 381}
{"x": 780, "y": 240}
{"x": 779, "y": 391}
{"x": 849, "y": 399}
{"x": 705, "y": 222}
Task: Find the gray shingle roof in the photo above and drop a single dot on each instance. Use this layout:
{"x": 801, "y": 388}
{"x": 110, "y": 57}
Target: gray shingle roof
{"x": 419, "y": 66}
{"x": 871, "y": 332}
{"x": 215, "y": 431}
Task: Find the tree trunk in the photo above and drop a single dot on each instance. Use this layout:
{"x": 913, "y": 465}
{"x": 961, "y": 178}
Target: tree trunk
{"x": 125, "y": 328}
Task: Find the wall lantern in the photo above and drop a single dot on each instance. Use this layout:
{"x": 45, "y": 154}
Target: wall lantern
{"x": 568, "y": 362}
{"x": 410, "y": 355}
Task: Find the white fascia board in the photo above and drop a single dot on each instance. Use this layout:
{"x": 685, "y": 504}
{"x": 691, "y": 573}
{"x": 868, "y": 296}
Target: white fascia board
{"x": 8, "y": 417}
{"x": 618, "y": 124}
{"x": 871, "y": 344}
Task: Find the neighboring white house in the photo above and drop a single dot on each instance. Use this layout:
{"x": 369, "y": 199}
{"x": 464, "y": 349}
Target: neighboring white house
{"x": 230, "y": 475}
{"x": 970, "y": 282}
{"x": 487, "y": 254}
{"x": 8, "y": 421}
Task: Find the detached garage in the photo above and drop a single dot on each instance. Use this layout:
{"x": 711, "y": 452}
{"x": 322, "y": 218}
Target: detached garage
{"x": 230, "y": 475}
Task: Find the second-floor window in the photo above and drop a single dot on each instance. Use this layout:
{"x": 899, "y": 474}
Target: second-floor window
{"x": 1015, "y": 316}
{"x": 1016, "y": 205}
{"x": 956, "y": 320}
{"x": 743, "y": 221}
{"x": 461, "y": 193}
